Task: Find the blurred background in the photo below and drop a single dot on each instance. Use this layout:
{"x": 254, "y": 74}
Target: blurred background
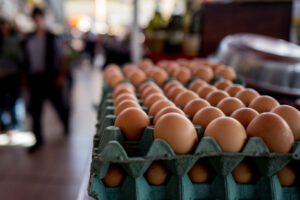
{"x": 51, "y": 56}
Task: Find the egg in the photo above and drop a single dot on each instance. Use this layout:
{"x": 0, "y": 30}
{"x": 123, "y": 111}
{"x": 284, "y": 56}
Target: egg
{"x": 151, "y": 99}
{"x": 160, "y": 77}
{"x": 205, "y": 90}
{"x": 114, "y": 79}
{"x": 263, "y": 104}
{"x": 157, "y": 106}
{"x": 217, "y": 67}
{"x": 172, "y": 69}
{"x": 205, "y": 73}
{"x": 170, "y": 85}
{"x": 228, "y": 133}
{"x": 274, "y": 131}
{"x": 233, "y": 89}
{"x": 145, "y": 64}
{"x": 244, "y": 115}
{"x": 175, "y": 128}
{"x": 165, "y": 110}
{"x": 227, "y": 73}
{"x": 146, "y": 85}
{"x": 199, "y": 173}
{"x": 223, "y": 84}
{"x": 205, "y": 115}
{"x": 132, "y": 122}
{"x": 110, "y": 69}
{"x": 183, "y": 75}
{"x": 287, "y": 176}
{"x": 116, "y": 93}
{"x": 247, "y": 95}
{"x": 124, "y": 85}
{"x": 184, "y": 97}
{"x": 175, "y": 91}
{"x": 216, "y": 96}
{"x": 123, "y": 97}
{"x": 195, "y": 85}
{"x": 125, "y": 104}
{"x": 156, "y": 174}
{"x": 194, "y": 105}
{"x": 292, "y": 116}
{"x": 137, "y": 77}
{"x": 243, "y": 173}
{"x": 229, "y": 104}
{"x": 150, "y": 90}
{"x": 113, "y": 176}
{"x": 128, "y": 69}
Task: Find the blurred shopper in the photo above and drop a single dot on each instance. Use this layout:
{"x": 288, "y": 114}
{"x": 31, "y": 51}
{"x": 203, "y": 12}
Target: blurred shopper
{"x": 10, "y": 59}
{"x": 43, "y": 61}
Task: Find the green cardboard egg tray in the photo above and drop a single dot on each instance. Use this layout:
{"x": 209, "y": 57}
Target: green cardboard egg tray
{"x": 134, "y": 157}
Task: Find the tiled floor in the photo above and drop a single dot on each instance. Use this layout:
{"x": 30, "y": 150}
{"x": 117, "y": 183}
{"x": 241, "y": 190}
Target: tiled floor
{"x": 59, "y": 171}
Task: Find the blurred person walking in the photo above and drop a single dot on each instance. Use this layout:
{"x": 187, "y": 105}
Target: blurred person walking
{"x": 45, "y": 74}
{"x": 10, "y": 75}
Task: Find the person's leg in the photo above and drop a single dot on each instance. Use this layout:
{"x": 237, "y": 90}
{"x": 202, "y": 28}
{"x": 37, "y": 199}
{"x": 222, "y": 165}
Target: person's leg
{"x": 55, "y": 96}
{"x": 36, "y": 104}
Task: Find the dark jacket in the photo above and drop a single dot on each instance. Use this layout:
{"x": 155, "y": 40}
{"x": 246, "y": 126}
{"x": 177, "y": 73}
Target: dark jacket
{"x": 50, "y": 61}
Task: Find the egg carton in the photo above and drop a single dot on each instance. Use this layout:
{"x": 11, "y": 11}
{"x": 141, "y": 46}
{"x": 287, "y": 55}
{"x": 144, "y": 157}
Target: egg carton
{"x": 135, "y": 157}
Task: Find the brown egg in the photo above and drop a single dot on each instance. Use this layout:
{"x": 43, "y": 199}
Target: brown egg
{"x": 174, "y": 129}
{"x": 145, "y": 85}
{"x": 244, "y": 115}
{"x": 205, "y": 90}
{"x": 114, "y": 79}
{"x": 216, "y": 96}
{"x": 217, "y": 67}
{"x": 170, "y": 85}
{"x": 229, "y": 104}
{"x": 128, "y": 69}
{"x": 228, "y": 133}
{"x": 292, "y": 117}
{"x": 116, "y": 93}
{"x": 223, "y": 84}
{"x": 132, "y": 122}
{"x": 247, "y": 95}
{"x": 175, "y": 91}
{"x": 274, "y": 131}
{"x": 226, "y": 73}
{"x": 156, "y": 174}
{"x": 145, "y": 64}
{"x": 234, "y": 89}
{"x": 183, "y": 75}
{"x": 165, "y": 110}
{"x": 205, "y": 115}
{"x": 184, "y": 97}
{"x": 110, "y": 69}
{"x": 123, "y": 97}
{"x": 205, "y": 73}
{"x": 151, "y": 99}
{"x": 163, "y": 64}
{"x": 195, "y": 85}
{"x": 199, "y": 173}
{"x": 149, "y": 91}
{"x": 160, "y": 77}
{"x": 125, "y": 104}
{"x": 137, "y": 77}
{"x": 172, "y": 68}
{"x": 243, "y": 173}
{"x": 113, "y": 176}
{"x": 194, "y": 106}
{"x": 157, "y": 106}
{"x": 263, "y": 104}
{"x": 287, "y": 176}
{"x": 124, "y": 85}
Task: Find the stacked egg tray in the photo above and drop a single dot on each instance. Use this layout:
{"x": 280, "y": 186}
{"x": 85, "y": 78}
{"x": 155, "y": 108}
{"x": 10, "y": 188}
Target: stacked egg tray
{"x": 135, "y": 157}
